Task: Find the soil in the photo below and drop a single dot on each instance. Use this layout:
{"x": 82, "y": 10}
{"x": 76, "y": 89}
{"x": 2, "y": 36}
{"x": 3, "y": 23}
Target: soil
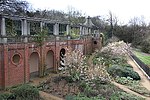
{"x": 45, "y": 95}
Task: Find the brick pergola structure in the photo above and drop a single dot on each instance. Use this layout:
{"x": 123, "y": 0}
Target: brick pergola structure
{"x": 21, "y": 58}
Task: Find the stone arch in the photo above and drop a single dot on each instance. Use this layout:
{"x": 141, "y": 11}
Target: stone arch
{"x": 50, "y": 60}
{"x": 62, "y": 53}
{"x": 34, "y": 64}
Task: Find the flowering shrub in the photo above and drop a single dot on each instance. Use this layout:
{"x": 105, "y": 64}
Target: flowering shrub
{"x": 76, "y": 67}
{"x": 113, "y": 53}
{"x": 116, "y": 49}
{"x": 107, "y": 60}
{"x": 98, "y": 72}
{"x": 74, "y": 64}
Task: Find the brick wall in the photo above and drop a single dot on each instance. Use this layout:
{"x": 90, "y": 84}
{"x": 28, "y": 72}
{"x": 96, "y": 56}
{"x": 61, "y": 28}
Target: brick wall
{"x": 1, "y": 61}
{"x": 16, "y": 69}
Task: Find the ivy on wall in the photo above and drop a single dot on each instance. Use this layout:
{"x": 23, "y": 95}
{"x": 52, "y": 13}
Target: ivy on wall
{"x": 13, "y": 27}
{"x": 74, "y": 33}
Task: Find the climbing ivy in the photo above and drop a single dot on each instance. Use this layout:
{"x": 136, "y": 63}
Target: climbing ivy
{"x": 74, "y": 33}
{"x": 41, "y": 36}
{"x": 10, "y": 28}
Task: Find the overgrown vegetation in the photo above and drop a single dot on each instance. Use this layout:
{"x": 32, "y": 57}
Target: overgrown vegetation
{"x": 21, "y": 92}
{"x": 114, "y": 96}
{"x": 113, "y": 56}
{"x": 122, "y": 71}
{"x": 145, "y": 46}
{"x": 133, "y": 85}
{"x": 40, "y": 37}
{"x": 81, "y": 81}
{"x": 74, "y": 33}
{"x": 7, "y": 96}
{"x": 118, "y": 68}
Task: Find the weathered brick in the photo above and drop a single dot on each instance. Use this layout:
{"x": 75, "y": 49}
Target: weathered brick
{"x": 13, "y": 74}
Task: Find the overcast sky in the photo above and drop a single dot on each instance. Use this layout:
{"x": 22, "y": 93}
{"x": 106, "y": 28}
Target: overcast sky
{"x": 123, "y": 9}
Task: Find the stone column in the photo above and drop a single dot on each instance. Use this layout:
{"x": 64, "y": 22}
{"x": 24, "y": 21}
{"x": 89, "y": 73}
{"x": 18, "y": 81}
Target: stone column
{"x": 41, "y": 25}
{"x": 53, "y": 29}
{"x": 28, "y": 28}
{"x": 85, "y": 30}
{"x": 56, "y": 29}
{"x": 3, "y": 30}
{"x": 89, "y": 31}
{"x": 24, "y": 29}
{"x": 81, "y": 30}
{"x": 67, "y": 29}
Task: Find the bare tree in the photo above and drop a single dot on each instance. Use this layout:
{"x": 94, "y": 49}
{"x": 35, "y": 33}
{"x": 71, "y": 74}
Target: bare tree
{"x": 113, "y": 20}
{"x": 100, "y": 22}
{"x": 138, "y": 29}
{"x": 74, "y": 15}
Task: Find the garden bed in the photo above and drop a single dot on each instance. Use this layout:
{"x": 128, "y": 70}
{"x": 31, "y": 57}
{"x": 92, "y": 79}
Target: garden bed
{"x": 60, "y": 86}
{"x": 90, "y": 78}
{"x": 133, "y": 85}
{"x": 86, "y": 78}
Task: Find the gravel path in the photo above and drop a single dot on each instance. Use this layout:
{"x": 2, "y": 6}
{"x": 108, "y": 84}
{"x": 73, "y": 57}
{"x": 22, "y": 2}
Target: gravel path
{"x": 47, "y": 96}
{"x": 144, "y": 80}
{"x": 124, "y": 88}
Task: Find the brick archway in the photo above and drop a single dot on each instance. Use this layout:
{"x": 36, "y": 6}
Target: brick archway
{"x": 50, "y": 60}
{"x": 34, "y": 65}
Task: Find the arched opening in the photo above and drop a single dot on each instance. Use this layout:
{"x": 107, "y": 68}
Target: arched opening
{"x": 62, "y": 53}
{"x": 49, "y": 60}
{"x": 95, "y": 42}
{"x": 34, "y": 64}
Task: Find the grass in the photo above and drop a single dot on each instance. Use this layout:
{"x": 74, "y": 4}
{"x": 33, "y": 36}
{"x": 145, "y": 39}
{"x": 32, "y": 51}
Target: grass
{"x": 145, "y": 58}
